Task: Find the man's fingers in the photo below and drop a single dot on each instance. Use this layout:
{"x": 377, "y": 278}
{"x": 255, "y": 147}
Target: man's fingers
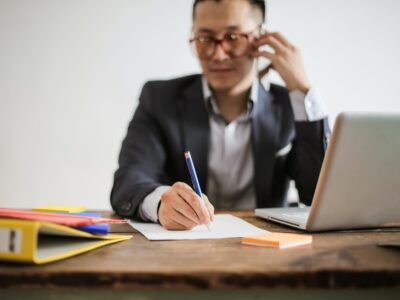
{"x": 193, "y": 200}
{"x": 170, "y": 224}
{"x": 279, "y": 36}
{"x": 277, "y": 61}
{"x": 178, "y": 218}
{"x": 272, "y": 41}
{"x": 171, "y": 219}
{"x": 209, "y": 206}
{"x": 187, "y": 211}
{"x": 275, "y": 44}
{"x": 176, "y": 201}
{"x": 286, "y": 60}
{"x": 181, "y": 208}
{"x": 271, "y": 56}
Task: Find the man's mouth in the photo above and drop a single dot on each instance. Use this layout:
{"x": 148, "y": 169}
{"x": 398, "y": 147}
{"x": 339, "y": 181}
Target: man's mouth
{"x": 221, "y": 70}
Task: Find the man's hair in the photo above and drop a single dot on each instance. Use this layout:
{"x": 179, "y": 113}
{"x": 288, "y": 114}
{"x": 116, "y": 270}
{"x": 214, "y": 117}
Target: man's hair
{"x": 259, "y": 4}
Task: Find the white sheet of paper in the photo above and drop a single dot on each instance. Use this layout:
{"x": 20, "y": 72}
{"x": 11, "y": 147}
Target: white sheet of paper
{"x": 223, "y": 226}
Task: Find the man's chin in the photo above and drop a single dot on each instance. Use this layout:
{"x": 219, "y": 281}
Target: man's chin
{"x": 221, "y": 85}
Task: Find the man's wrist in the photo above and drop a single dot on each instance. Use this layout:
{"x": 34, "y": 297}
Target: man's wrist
{"x": 304, "y": 89}
{"x": 150, "y": 205}
{"x": 307, "y": 107}
{"x": 301, "y": 87}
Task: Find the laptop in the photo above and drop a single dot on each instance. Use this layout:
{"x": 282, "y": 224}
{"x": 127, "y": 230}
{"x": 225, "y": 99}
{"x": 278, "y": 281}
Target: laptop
{"x": 359, "y": 182}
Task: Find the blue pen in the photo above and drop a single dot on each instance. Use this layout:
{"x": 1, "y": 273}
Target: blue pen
{"x": 195, "y": 181}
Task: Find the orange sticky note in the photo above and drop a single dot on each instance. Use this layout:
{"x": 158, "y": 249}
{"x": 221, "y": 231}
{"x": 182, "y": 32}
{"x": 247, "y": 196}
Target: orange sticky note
{"x": 278, "y": 240}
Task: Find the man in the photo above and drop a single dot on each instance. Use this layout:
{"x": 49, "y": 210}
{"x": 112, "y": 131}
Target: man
{"x": 246, "y": 141}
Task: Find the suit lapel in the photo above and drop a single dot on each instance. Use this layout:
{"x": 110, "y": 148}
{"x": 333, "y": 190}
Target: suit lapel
{"x": 195, "y": 133}
{"x": 195, "y": 129}
{"x": 264, "y": 139}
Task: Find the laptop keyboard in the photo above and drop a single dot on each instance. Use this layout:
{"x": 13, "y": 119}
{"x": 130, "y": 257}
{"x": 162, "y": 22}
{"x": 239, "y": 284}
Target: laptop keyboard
{"x": 298, "y": 215}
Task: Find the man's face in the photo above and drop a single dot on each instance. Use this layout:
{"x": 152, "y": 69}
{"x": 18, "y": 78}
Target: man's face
{"x": 216, "y": 19}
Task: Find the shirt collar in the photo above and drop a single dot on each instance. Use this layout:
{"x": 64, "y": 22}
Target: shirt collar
{"x": 212, "y": 105}
{"x": 208, "y": 94}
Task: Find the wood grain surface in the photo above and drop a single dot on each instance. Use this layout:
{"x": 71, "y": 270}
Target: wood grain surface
{"x": 334, "y": 260}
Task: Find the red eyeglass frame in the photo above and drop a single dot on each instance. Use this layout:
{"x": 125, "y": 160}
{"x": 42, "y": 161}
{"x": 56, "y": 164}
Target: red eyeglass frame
{"x": 220, "y": 42}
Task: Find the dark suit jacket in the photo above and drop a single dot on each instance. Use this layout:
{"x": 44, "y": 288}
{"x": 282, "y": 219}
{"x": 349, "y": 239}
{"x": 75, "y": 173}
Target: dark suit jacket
{"x": 171, "y": 117}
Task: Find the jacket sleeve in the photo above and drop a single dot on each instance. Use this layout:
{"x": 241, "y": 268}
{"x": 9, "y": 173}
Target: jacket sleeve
{"x": 141, "y": 159}
{"x": 306, "y": 157}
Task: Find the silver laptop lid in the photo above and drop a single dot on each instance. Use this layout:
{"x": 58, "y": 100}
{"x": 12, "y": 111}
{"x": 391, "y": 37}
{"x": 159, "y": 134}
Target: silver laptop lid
{"x": 359, "y": 183}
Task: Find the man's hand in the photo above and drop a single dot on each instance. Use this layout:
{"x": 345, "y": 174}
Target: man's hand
{"x": 180, "y": 208}
{"x": 286, "y": 60}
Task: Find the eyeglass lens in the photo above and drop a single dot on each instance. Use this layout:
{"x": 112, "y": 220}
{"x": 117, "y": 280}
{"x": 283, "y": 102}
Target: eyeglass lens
{"x": 233, "y": 44}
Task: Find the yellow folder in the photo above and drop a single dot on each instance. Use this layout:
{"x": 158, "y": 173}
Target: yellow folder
{"x": 60, "y": 208}
{"x": 42, "y": 242}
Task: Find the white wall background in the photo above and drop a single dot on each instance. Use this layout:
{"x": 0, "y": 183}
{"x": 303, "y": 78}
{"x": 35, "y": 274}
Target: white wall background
{"x": 71, "y": 72}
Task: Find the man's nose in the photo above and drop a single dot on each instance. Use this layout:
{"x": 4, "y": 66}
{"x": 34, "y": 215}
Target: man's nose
{"x": 219, "y": 52}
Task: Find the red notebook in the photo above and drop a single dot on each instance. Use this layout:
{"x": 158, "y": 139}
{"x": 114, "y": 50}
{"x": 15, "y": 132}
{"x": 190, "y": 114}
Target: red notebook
{"x": 63, "y": 219}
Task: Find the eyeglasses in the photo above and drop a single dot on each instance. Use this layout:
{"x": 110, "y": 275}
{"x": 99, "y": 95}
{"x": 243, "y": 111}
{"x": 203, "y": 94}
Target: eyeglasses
{"x": 234, "y": 44}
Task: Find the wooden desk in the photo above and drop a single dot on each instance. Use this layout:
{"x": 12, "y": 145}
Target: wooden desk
{"x": 334, "y": 260}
